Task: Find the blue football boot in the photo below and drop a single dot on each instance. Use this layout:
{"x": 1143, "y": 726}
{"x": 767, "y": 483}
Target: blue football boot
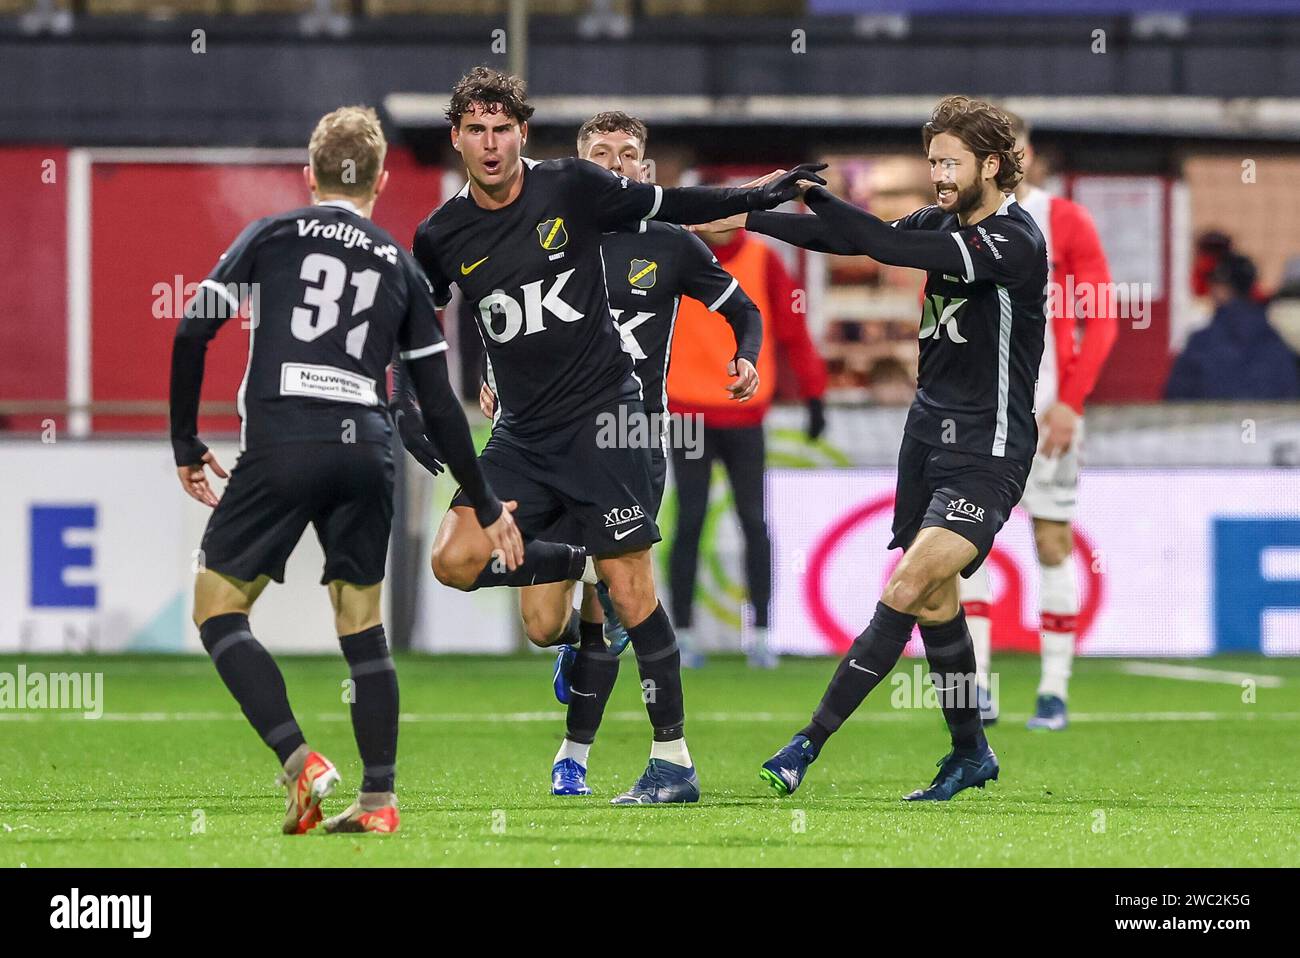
{"x": 565, "y": 658}
{"x": 615, "y": 635}
{"x": 1049, "y": 714}
{"x": 569, "y": 778}
{"x": 785, "y": 770}
{"x": 662, "y": 783}
{"x": 957, "y": 771}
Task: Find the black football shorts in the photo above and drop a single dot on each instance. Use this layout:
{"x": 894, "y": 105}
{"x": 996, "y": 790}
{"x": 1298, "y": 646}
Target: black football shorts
{"x": 344, "y": 490}
{"x": 969, "y": 494}
{"x": 576, "y": 485}
{"x": 568, "y": 529}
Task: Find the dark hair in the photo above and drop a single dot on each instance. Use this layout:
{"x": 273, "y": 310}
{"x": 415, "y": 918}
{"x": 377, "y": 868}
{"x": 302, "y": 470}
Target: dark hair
{"x": 494, "y": 91}
{"x": 986, "y": 131}
{"x": 1236, "y": 272}
{"x": 613, "y": 121}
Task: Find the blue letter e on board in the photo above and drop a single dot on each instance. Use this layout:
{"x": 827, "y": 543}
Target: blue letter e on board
{"x": 52, "y": 557}
{"x": 1242, "y": 591}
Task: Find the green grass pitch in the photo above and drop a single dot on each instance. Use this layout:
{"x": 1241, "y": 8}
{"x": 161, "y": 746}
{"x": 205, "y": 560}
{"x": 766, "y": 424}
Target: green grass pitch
{"x": 1154, "y": 771}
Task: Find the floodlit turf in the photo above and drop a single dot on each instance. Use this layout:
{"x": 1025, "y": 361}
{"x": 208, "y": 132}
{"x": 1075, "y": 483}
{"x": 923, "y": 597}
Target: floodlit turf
{"x": 1155, "y": 771}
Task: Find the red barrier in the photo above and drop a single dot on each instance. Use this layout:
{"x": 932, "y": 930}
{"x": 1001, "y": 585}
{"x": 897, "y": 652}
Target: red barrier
{"x": 33, "y": 282}
{"x": 158, "y": 227}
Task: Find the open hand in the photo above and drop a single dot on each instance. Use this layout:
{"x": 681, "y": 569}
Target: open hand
{"x": 194, "y": 479}
{"x": 505, "y": 538}
{"x": 743, "y": 389}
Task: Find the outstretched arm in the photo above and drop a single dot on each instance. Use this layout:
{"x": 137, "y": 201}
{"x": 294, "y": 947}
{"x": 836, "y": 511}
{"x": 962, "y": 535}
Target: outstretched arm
{"x": 700, "y": 204}
{"x": 617, "y": 200}
{"x": 799, "y": 229}
{"x": 846, "y": 229}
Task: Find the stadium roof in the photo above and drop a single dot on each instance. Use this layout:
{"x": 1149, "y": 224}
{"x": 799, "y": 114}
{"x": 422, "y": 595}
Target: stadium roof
{"x": 1262, "y": 118}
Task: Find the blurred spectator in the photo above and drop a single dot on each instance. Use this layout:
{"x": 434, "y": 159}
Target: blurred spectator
{"x": 733, "y": 432}
{"x": 1239, "y": 355}
{"x": 1284, "y": 307}
{"x": 1211, "y": 248}
{"x": 890, "y": 383}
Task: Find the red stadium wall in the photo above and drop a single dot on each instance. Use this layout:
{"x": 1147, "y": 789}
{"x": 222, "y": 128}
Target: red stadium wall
{"x": 167, "y": 223}
{"x": 152, "y": 222}
{"x": 33, "y": 282}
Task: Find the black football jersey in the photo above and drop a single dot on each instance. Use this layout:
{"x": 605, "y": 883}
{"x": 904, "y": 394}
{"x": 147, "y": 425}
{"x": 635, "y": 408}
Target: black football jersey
{"x": 332, "y": 296}
{"x": 647, "y": 273}
{"x": 532, "y": 275}
{"x": 982, "y": 335}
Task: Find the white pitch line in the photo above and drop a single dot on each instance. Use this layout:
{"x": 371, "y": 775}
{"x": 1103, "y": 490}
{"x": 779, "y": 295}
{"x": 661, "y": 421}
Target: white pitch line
{"x": 456, "y": 718}
{"x": 1194, "y": 673}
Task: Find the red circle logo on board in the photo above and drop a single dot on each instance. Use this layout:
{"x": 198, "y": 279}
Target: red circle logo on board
{"x": 1009, "y": 631}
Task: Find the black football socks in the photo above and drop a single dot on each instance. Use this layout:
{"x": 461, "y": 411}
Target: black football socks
{"x": 660, "y": 665}
{"x": 374, "y": 703}
{"x": 253, "y": 679}
{"x": 594, "y": 673}
{"x": 951, "y": 655}
{"x": 543, "y": 562}
{"x": 870, "y": 658}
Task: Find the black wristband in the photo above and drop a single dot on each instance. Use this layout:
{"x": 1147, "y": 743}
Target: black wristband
{"x": 489, "y": 512}
{"x": 188, "y": 452}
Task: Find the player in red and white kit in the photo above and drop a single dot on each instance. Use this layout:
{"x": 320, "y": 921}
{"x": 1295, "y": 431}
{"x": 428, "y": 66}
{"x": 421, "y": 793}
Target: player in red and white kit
{"x": 1080, "y": 333}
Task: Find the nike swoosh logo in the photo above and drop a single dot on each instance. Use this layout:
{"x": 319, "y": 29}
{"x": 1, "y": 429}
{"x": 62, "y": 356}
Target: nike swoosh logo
{"x": 585, "y": 695}
{"x": 627, "y": 532}
{"x": 466, "y": 270}
{"x": 952, "y": 517}
{"x": 853, "y": 664}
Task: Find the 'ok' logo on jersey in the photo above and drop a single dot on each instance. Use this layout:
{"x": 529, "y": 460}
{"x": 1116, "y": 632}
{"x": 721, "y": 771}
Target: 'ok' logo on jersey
{"x": 503, "y": 317}
{"x": 940, "y": 313}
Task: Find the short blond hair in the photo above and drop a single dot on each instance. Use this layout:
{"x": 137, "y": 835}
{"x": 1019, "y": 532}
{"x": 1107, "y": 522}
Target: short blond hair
{"x": 347, "y": 151}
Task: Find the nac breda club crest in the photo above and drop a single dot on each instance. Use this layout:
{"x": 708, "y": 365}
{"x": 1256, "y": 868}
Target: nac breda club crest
{"x": 552, "y": 234}
{"x": 939, "y": 314}
{"x": 642, "y": 273}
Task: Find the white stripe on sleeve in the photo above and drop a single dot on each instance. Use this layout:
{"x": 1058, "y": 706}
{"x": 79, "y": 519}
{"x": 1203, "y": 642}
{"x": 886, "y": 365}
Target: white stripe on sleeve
{"x": 965, "y": 255}
{"x": 659, "y": 198}
{"x": 423, "y": 351}
{"x": 725, "y": 296}
{"x": 224, "y": 293}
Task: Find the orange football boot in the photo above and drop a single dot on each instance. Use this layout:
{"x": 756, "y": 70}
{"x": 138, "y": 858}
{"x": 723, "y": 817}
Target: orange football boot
{"x": 372, "y": 812}
{"x": 316, "y": 781}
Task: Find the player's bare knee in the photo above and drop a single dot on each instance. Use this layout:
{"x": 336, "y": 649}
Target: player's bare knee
{"x": 545, "y": 618}
{"x": 903, "y": 594}
{"x": 455, "y": 567}
{"x": 939, "y": 607}
{"x": 215, "y": 595}
{"x": 544, "y": 635}
{"x": 633, "y": 596}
